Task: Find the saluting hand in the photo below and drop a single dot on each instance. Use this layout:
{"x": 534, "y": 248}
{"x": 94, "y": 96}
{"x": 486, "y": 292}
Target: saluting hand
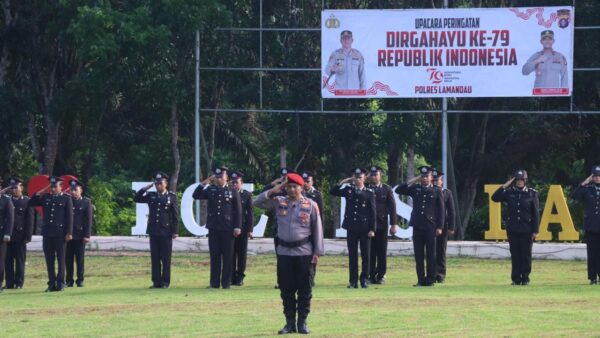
{"x": 508, "y": 183}
{"x": 587, "y": 180}
{"x": 413, "y": 180}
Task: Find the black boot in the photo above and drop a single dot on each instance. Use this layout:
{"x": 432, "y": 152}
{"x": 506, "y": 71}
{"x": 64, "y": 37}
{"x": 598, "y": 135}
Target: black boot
{"x": 302, "y": 328}
{"x": 290, "y": 326}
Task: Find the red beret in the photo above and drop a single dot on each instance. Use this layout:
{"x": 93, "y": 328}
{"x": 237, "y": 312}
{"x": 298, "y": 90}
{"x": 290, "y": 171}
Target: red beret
{"x": 295, "y": 178}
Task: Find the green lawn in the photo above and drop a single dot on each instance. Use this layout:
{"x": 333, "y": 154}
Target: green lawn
{"x": 476, "y": 300}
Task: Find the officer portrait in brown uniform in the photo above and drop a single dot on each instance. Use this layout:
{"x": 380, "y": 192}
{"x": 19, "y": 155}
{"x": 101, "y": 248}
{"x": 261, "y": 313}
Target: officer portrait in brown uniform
{"x": 348, "y": 65}
{"x": 549, "y": 65}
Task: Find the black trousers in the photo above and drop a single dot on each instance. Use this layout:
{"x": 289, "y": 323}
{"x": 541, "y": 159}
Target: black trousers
{"x": 240, "y": 253}
{"x": 2, "y": 259}
{"x": 353, "y": 240}
{"x": 520, "y": 244}
{"x": 54, "y": 250}
{"x": 441, "y": 244}
{"x": 75, "y": 254}
{"x": 220, "y": 245}
{"x": 379, "y": 244}
{"x": 293, "y": 277}
{"x": 16, "y": 253}
{"x": 424, "y": 247}
{"x": 592, "y": 241}
{"x": 161, "y": 248}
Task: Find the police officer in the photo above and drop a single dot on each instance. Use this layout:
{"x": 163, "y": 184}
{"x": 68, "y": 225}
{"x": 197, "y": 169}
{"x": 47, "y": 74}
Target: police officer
{"x": 57, "y": 229}
{"x": 22, "y": 231}
{"x": 550, "y": 66}
{"x": 240, "y": 246}
{"x": 224, "y": 223}
{"x": 348, "y": 65}
{"x": 442, "y": 240}
{"x": 311, "y": 192}
{"x": 7, "y": 215}
{"x": 359, "y": 221}
{"x": 82, "y": 231}
{"x": 299, "y": 244}
{"x": 588, "y": 192}
{"x": 163, "y": 227}
{"x": 427, "y": 219}
{"x": 522, "y": 223}
{"x": 386, "y": 212}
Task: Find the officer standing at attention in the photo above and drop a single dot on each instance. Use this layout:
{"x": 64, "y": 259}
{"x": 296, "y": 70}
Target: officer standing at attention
{"x": 57, "y": 229}
{"x": 82, "y": 231}
{"x": 7, "y": 217}
{"x": 240, "y": 246}
{"x": 359, "y": 221}
{"x": 163, "y": 227}
{"x": 385, "y": 207}
{"x": 588, "y": 192}
{"x": 299, "y": 244}
{"x": 22, "y": 231}
{"x": 441, "y": 242}
{"x": 427, "y": 219}
{"x": 224, "y": 223}
{"x": 522, "y": 223}
{"x": 315, "y": 195}
{"x": 550, "y": 66}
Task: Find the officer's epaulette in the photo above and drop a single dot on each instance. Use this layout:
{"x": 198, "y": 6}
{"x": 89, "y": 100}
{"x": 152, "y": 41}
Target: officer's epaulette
{"x": 87, "y": 198}
{"x": 369, "y": 189}
{"x": 172, "y": 193}
{"x": 533, "y": 190}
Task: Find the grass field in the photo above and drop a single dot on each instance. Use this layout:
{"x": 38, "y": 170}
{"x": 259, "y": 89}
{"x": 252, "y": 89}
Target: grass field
{"x": 476, "y": 300}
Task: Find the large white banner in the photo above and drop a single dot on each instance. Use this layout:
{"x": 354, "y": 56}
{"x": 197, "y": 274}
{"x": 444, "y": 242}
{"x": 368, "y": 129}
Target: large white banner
{"x": 493, "y": 52}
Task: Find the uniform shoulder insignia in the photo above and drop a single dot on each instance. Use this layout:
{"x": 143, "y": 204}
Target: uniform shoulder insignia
{"x": 172, "y": 193}
{"x": 87, "y": 198}
{"x": 533, "y": 190}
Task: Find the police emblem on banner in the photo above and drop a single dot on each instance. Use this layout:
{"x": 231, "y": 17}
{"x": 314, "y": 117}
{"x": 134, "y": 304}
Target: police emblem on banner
{"x": 564, "y": 17}
{"x": 332, "y": 22}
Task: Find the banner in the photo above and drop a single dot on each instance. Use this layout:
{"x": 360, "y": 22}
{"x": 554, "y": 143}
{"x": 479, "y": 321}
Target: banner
{"x": 492, "y": 52}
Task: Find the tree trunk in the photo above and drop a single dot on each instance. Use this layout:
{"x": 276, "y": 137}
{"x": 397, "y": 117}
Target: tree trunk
{"x": 410, "y": 162}
{"x": 469, "y": 190}
{"x": 282, "y": 156}
{"x": 394, "y": 162}
{"x": 51, "y": 148}
{"x": 174, "y": 147}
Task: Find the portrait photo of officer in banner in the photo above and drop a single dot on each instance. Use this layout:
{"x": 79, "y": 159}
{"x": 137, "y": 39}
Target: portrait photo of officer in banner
{"x": 549, "y": 65}
{"x": 346, "y": 65}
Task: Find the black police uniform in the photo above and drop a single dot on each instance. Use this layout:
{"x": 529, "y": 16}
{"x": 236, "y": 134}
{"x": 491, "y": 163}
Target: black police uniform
{"x": 7, "y": 216}
{"x": 522, "y": 221}
{"x": 224, "y": 215}
{"x": 57, "y": 223}
{"x": 82, "y": 228}
{"x": 316, "y": 196}
{"x": 441, "y": 242}
{"x": 359, "y": 219}
{"x": 426, "y": 217}
{"x": 241, "y": 242}
{"x": 163, "y": 224}
{"x": 385, "y": 207}
{"x": 590, "y": 196}
{"x": 17, "y": 247}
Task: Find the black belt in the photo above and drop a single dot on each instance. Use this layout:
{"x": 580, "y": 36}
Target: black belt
{"x": 293, "y": 244}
